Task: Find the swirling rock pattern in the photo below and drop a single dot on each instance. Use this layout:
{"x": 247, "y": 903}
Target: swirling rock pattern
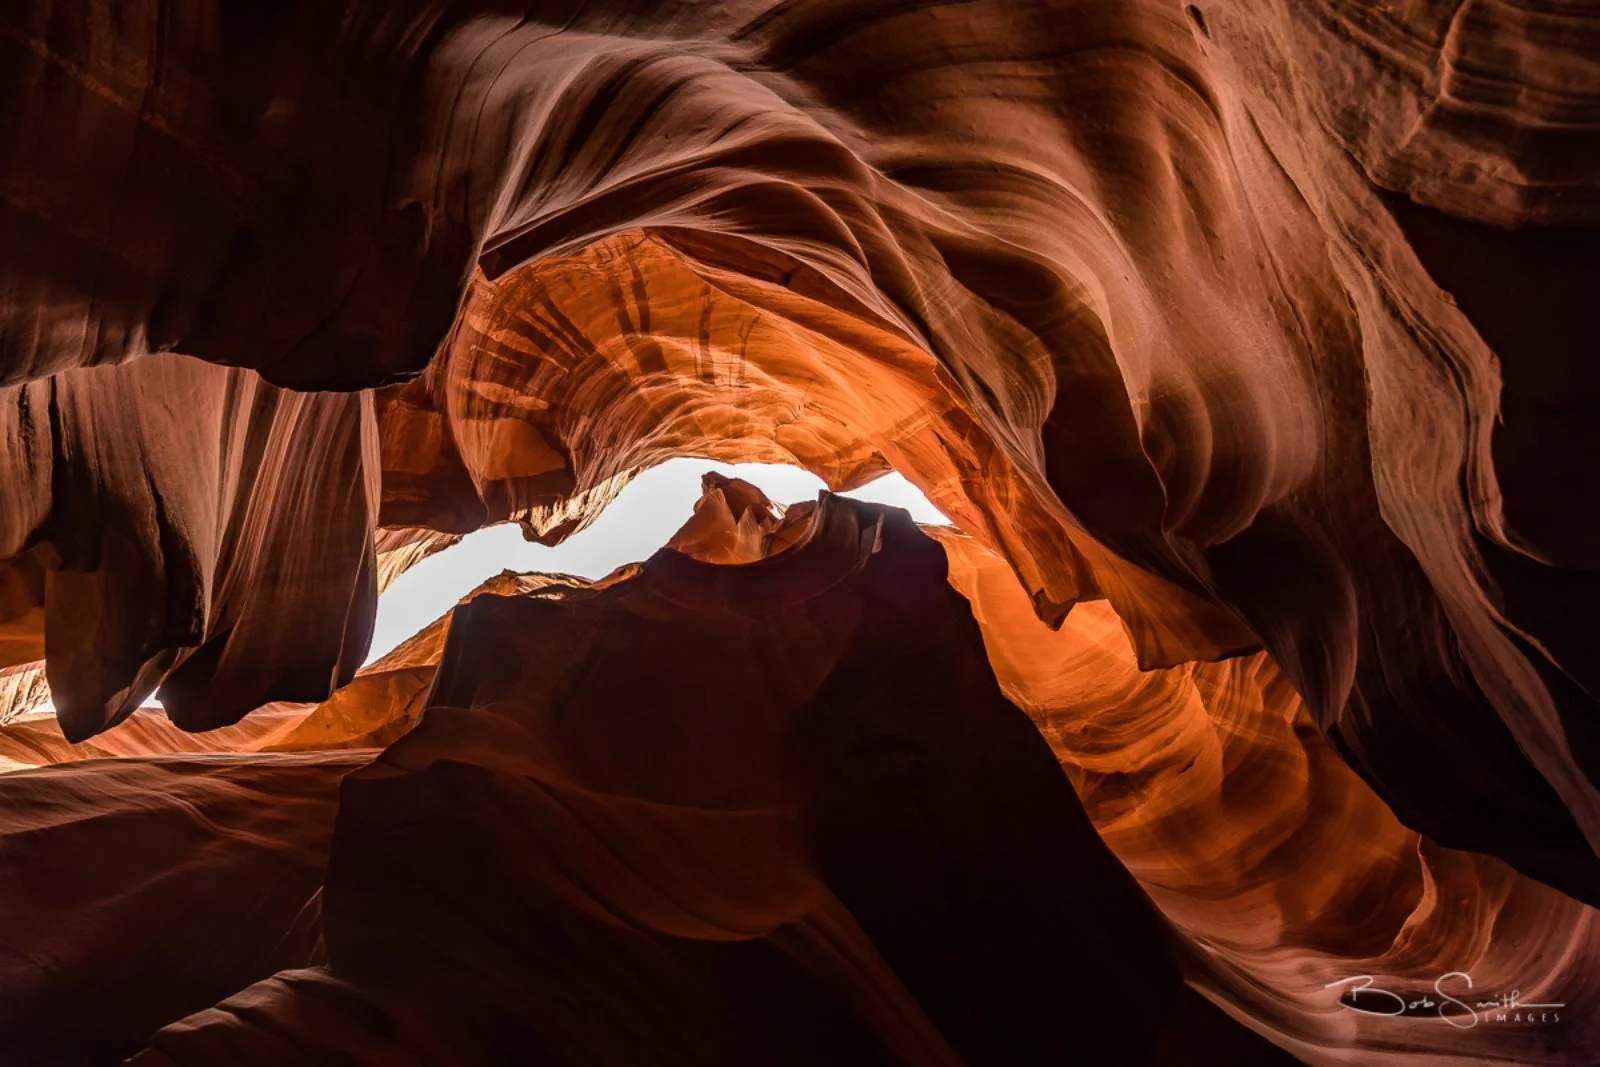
{"x": 141, "y": 889}
{"x": 1209, "y": 781}
{"x": 169, "y": 518}
{"x": 1149, "y": 298}
{"x": 778, "y": 860}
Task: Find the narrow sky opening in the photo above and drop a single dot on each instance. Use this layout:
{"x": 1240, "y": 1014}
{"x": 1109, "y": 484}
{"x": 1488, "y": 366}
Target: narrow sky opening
{"x": 639, "y": 521}
{"x": 644, "y": 515}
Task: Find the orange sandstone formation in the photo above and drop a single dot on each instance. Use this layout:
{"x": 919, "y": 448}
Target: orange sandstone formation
{"x": 834, "y": 843}
{"x": 141, "y": 889}
{"x": 1245, "y": 341}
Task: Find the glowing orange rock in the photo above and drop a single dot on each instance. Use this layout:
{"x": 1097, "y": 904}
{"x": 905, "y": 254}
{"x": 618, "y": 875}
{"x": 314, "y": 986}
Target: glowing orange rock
{"x": 1267, "y": 324}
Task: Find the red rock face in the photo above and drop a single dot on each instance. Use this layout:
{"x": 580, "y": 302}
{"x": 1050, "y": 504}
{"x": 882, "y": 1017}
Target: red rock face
{"x": 1244, "y": 341}
{"x": 836, "y": 842}
{"x": 144, "y": 888}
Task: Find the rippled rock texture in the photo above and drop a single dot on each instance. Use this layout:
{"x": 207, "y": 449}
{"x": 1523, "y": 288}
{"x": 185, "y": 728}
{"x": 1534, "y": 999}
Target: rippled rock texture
{"x": 1247, "y": 343}
{"x": 837, "y": 842}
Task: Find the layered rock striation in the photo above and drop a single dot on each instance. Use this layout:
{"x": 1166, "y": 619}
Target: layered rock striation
{"x": 1254, "y": 330}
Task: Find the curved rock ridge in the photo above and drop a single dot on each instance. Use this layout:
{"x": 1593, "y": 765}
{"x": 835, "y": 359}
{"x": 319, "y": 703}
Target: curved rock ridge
{"x": 538, "y": 409}
{"x": 1211, "y": 784}
{"x": 733, "y": 522}
{"x": 1481, "y": 108}
{"x": 780, "y": 859}
{"x": 141, "y": 889}
{"x": 1284, "y": 873}
{"x": 378, "y": 706}
{"x": 1262, "y": 322}
{"x": 23, "y": 687}
{"x": 1142, "y": 258}
{"x": 166, "y": 519}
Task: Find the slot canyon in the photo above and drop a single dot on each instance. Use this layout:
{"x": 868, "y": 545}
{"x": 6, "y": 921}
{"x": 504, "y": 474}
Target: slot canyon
{"x": 1243, "y": 713}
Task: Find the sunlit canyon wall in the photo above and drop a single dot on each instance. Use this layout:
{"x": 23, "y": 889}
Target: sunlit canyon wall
{"x": 1246, "y": 344}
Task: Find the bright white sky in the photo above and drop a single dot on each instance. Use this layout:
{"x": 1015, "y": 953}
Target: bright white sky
{"x": 640, "y": 520}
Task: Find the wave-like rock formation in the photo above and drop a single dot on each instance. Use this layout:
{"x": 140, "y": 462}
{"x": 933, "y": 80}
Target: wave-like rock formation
{"x": 778, "y": 859}
{"x": 1252, "y": 333}
{"x": 1211, "y": 783}
{"x": 139, "y": 890}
